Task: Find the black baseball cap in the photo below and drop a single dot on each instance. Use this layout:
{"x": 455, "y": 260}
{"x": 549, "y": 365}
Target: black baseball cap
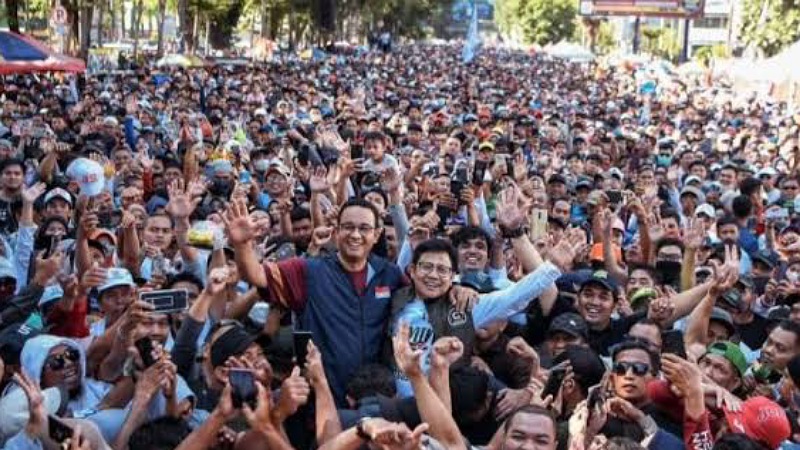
{"x": 232, "y": 342}
{"x": 587, "y": 366}
{"x": 603, "y": 279}
{"x": 571, "y": 324}
{"x": 765, "y": 257}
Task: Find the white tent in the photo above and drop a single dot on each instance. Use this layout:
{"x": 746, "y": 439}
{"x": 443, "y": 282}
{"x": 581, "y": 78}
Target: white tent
{"x": 570, "y": 51}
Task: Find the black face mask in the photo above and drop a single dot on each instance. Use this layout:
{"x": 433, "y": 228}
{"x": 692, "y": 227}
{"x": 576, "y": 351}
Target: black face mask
{"x": 221, "y": 188}
{"x": 670, "y": 271}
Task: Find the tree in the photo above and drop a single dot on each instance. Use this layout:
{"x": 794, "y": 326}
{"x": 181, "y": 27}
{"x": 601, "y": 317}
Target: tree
{"x": 661, "y": 42}
{"x": 538, "y": 21}
{"x": 770, "y": 25}
{"x": 12, "y": 13}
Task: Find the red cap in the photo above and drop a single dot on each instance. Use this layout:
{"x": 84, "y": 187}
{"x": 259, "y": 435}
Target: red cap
{"x": 760, "y": 419}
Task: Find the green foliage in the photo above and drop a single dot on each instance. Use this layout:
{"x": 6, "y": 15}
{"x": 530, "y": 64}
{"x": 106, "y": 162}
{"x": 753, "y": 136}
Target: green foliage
{"x": 780, "y": 28}
{"x": 661, "y": 42}
{"x": 704, "y": 55}
{"x": 537, "y": 21}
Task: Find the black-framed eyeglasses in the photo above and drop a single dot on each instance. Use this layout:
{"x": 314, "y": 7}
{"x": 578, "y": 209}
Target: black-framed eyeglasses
{"x": 58, "y": 362}
{"x": 427, "y": 268}
{"x": 639, "y": 369}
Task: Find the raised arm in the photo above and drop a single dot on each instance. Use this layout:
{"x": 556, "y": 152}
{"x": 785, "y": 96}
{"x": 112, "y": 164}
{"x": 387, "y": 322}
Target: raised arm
{"x": 180, "y": 207}
{"x": 241, "y": 230}
{"x": 326, "y": 417}
{"x": 441, "y": 424}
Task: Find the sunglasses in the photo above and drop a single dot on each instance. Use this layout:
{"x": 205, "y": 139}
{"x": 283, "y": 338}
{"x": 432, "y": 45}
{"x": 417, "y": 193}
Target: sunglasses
{"x": 639, "y": 369}
{"x": 58, "y": 362}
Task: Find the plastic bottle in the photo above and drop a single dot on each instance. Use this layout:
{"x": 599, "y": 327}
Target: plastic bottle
{"x": 421, "y": 336}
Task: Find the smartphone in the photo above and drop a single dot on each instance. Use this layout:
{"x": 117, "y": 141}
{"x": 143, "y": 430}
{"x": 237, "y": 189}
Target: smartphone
{"x": 52, "y": 248}
{"x": 245, "y": 177}
{"x": 59, "y": 431}
{"x": 554, "y": 382}
{"x": 145, "y": 348}
{"x": 614, "y": 197}
{"x": 538, "y": 223}
{"x": 243, "y": 385}
{"x": 510, "y": 166}
{"x": 459, "y": 182}
{"x": 479, "y": 172}
{"x": 300, "y": 339}
{"x": 356, "y": 151}
{"x": 166, "y": 300}
{"x": 159, "y": 266}
{"x": 672, "y": 342}
{"x": 596, "y": 397}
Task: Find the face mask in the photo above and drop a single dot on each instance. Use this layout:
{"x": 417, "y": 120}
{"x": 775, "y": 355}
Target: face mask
{"x": 792, "y": 277}
{"x": 261, "y": 165}
{"x": 663, "y": 160}
{"x": 670, "y": 271}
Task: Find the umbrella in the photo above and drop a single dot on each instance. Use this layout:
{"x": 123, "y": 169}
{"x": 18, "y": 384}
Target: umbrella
{"x": 175, "y": 60}
{"x": 24, "y": 54}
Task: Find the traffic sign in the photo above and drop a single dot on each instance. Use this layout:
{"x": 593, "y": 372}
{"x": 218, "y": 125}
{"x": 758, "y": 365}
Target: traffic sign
{"x": 59, "y": 15}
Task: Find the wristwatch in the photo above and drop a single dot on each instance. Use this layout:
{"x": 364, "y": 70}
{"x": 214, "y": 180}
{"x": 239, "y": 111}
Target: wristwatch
{"x": 513, "y": 233}
{"x": 360, "y": 432}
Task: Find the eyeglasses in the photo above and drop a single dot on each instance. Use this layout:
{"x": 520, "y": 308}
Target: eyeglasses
{"x": 426, "y": 268}
{"x": 639, "y": 369}
{"x": 349, "y": 228}
{"x": 58, "y": 362}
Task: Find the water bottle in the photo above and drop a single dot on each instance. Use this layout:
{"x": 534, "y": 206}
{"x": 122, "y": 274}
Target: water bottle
{"x": 421, "y": 336}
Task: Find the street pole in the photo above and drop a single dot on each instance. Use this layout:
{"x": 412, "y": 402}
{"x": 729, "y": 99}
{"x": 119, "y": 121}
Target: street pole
{"x": 685, "y": 51}
{"x": 636, "y": 29}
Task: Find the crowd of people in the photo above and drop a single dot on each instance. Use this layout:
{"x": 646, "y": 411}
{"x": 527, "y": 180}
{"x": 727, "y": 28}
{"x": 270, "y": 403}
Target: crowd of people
{"x": 397, "y": 251}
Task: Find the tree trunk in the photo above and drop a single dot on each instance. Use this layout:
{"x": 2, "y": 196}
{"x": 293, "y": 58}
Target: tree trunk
{"x": 185, "y": 27}
{"x": 12, "y": 12}
{"x": 86, "y": 13}
{"x": 162, "y": 13}
{"x": 137, "y": 24}
{"x": 101, "y": 13}
{"x": 112, "y": 11}
{"x": 265, "y": 18}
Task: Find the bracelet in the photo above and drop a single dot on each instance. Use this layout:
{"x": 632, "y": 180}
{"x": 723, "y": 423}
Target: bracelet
{"x": 360, "y": 432}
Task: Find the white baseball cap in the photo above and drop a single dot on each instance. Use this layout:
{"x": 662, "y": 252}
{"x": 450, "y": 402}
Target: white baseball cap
{"x": 88, "y": 174}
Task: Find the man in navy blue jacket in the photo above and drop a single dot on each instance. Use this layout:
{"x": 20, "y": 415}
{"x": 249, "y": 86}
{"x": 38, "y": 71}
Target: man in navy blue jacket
{"x": 343, "y": 298}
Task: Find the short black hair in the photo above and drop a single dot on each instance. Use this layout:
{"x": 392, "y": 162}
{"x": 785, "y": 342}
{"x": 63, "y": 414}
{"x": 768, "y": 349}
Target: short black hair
{"x": 359, "y": 203}
{"x": 185, "y": 277}
{"x": 470, "y": 232}
{"x": 536, "y": 410}
{"x": 670, "y": 213}
{"x": 12, "y": 162}
{"x": 651, "y": 271}
{"x": 749, "y": 186}
{"x": 792, "y": 327}
{"x": 631, "y": 344}
{"x": 727, "y": 219}
{"x": 370, "y": 380}
{"x": 436, "y": 246}
{"x": 742, "y": 206}
{"x": 374, "y": 136}
{"x": 738, "y": 441}
{"x": 164, "y": 433}
{"x": 469, "y": 388}
{"x": 300, "y": 213}
{"x": 668, "y": 242}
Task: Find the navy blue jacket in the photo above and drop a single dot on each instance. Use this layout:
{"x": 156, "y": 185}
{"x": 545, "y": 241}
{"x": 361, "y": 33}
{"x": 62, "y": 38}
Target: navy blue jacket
{"x": 348, "y": 329}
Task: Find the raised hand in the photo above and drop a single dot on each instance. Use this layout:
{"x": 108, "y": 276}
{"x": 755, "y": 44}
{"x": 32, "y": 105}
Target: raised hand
{"x": 694, "y": 234}
{"x": 37, "y": 413}
{"x": 217, "y": 280}
{"x": 390, "y": 179}
{"x": 259, "y": 419}
{"x": 314, "y": 369}
{"x": 30, "y": 194}
{"x": 408, "y": 360}
{"x": 518, "y": 348}
{"x": 509, "y": 215}
{"x": 294, "y": 393}
{"x": 239, "y": 226}
{"x": 318, "y": 182}
{"x": 446, "y": 351}
{"x": 181, "y": 205}
{"x": 563, "y": 254}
